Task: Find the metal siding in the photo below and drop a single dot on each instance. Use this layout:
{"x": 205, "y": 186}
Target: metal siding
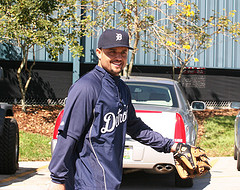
{"x": 90, "y": 47}
{"x": 206, "y": 58}
{"x": 40, "y": 54}
{"x": 9, "y": 52}
{"x": 222, "y": 54}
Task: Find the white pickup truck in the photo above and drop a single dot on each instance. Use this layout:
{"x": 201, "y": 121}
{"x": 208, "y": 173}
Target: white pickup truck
{"x": 9, "y": 138}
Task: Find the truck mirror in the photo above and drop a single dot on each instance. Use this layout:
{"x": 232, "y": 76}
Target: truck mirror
{"x": 1, "y": 73}
{"x": 198, "y": 105}
{"x": 235, "y": 105}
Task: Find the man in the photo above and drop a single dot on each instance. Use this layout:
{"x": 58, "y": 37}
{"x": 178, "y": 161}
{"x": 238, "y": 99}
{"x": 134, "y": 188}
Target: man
{"x": 97, "y": 116}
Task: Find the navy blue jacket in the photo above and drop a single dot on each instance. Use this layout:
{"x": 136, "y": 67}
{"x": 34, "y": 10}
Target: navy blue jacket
{"x": 97, "y": 116}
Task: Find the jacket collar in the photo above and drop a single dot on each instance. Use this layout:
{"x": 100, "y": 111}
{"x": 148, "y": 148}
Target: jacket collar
{"x": 115, "y": 78}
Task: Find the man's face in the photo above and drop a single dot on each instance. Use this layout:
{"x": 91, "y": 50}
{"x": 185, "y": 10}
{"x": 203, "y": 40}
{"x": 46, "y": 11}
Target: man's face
{"x": 113, "y": 60}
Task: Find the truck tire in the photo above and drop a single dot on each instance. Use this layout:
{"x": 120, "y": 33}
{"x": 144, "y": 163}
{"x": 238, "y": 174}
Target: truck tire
{"x": 235, "y": 152}
{"x": 238, "y": 160}
{"x": 179, "y": 182}
{"x": 9, "y": 147}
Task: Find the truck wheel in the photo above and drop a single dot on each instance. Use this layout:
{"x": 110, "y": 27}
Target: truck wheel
{"x": 9, "y": 147}
{"x": 238, "y": 160}
{"x": 179, "y": 182}
{"x": 235, "y": 152}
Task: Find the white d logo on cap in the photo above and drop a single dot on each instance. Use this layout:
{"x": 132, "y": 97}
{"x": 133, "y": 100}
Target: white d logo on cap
{"x": 118, "y": 36}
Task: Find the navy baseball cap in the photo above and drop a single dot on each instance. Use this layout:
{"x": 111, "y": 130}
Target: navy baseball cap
{"x": 111, "y": 38}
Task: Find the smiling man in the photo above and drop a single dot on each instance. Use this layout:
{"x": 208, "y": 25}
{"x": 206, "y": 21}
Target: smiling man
{"x": 112, "y": 51}
{"x": 97, "y": 116}
{"x": 113, "y": 60}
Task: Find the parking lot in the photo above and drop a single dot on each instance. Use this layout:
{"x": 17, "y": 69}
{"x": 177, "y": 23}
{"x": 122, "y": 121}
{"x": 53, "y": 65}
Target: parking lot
{"x": 223, "y": 175}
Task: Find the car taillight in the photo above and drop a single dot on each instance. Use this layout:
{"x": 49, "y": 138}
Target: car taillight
{"x": 59, "y": 118}
{"x": 180, "y": 133}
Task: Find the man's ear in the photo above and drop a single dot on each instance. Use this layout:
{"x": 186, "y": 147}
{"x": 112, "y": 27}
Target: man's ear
{"x": 98, "y": 53}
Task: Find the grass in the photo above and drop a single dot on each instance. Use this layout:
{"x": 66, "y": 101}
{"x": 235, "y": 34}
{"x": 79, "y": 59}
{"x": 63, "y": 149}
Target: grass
{"x": 218, "y": 138}
{"x": 34, "y": 147}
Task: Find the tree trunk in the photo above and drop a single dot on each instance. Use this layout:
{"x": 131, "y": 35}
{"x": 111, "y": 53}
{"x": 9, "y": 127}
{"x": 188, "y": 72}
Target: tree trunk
{"x": 173, "y": 72}
{"x": 173, "y": 65}
{"x": 23, "y": 88}
{"x": 180, "y": 73}
{"x": 23, "y": 100}
{"x": 125, "y": 70}
{"x": 19, "y": 71}
{"x": 133, "y": 54}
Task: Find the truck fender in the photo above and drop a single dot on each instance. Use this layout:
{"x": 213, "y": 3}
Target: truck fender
{"x": 5, "y": 110}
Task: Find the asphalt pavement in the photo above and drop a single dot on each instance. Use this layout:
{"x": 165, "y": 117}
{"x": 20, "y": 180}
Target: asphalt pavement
{"x": 223, "y": 175}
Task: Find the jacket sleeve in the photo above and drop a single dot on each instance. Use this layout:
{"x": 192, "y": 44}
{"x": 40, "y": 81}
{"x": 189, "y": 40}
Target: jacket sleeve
{"x": 139, "y": 131}
{"x": 62, "y": 158}
{"x": 78, "y": 114}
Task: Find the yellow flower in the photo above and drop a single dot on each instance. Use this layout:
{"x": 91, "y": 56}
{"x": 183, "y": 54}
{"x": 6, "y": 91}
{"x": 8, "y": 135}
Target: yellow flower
{"x": 187, "y": 7}
{"x": 128, "y": 11}
{"x": 232, "y": 14}
{"x": 196, "y": 59}
{"x": 190, "y": 13}
{"x": 171, "y": 2}
{"x": 186, "y": 47}
{"x": 169, "y": 43}
{"x": 187, "y": 10}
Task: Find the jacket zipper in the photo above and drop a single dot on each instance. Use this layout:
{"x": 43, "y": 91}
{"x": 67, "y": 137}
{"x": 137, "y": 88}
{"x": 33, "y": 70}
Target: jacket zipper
{"x": 94, "y": 152}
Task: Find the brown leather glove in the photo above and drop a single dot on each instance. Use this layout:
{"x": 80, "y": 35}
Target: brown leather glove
{"x": 190, "y": 161}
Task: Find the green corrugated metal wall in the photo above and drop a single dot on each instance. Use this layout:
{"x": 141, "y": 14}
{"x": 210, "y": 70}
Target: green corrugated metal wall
{"x": 223, "y": 54}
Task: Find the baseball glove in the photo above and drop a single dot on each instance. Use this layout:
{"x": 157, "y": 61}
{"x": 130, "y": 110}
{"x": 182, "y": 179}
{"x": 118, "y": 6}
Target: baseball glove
{"x": 190, "y": 161}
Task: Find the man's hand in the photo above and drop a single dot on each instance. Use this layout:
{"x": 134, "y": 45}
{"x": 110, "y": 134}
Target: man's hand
{"x": 56, "y": 186}
{"x": 190, "y": 161}
{"x": 173, "y": 148}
